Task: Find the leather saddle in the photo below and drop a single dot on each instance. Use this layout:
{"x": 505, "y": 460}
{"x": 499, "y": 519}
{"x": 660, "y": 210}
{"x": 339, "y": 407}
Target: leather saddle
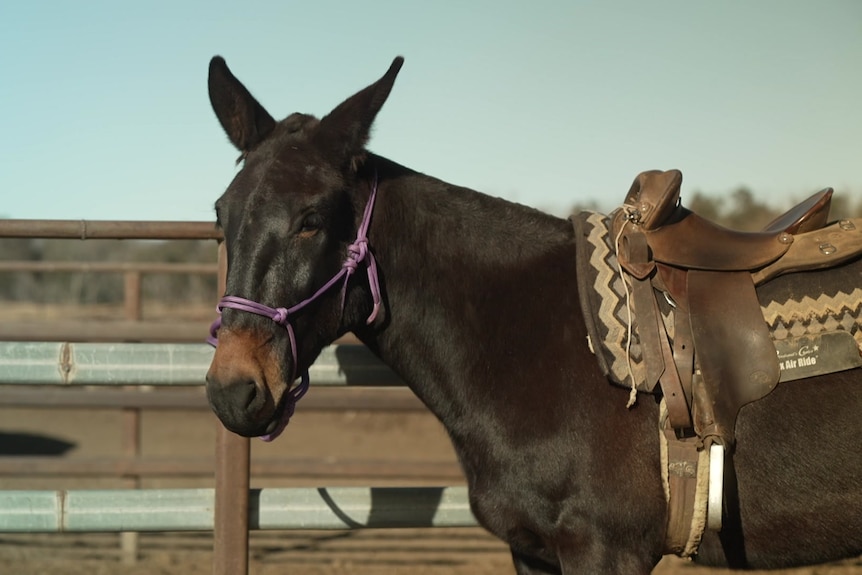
{"x": 720, "y": 355}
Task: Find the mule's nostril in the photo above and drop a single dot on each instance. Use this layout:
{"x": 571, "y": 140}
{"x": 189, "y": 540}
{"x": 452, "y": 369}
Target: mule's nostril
{"x": 244, "y": 395}
{"x": 247, "y": 395}
{"x": 239, "y": 398}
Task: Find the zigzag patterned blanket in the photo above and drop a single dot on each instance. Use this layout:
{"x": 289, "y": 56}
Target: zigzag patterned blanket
{"x": 802, "y": 310}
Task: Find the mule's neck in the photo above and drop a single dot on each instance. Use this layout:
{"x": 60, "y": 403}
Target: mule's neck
{"x": 469, "y": 283}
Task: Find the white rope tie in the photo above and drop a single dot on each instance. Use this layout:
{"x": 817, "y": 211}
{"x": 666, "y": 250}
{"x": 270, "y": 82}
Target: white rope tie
{"x": 633, "y": 395}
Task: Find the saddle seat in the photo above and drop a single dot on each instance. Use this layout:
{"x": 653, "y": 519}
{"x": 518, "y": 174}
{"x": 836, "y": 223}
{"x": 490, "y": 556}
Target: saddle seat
{"x": 681, "y": 238}
{"x": 809, "y": 215}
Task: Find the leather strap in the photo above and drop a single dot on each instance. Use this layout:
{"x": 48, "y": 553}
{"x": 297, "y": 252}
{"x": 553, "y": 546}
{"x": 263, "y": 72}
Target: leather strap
{"x": 673, "y": 282}
{"x": 634, "y": 256}
{"x": 650, "y": 332}
{"x": 671, "y": 387}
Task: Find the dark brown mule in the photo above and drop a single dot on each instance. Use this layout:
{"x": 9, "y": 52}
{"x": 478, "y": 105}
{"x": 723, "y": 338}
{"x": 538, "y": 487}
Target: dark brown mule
{"x": 480, "y": 317}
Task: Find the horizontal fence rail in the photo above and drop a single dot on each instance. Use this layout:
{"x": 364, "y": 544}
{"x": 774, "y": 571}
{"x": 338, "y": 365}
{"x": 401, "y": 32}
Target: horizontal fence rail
{"x": 323, "y": 399}
{"x": 65, "y": 363}
{"x": 109, "y": 230}
{"x": 107, "y": 331}
{"x": 424, "y": 471}
{"x": 132, "y": 329}
{"x": 129, "y": 326}
{"x": 17, "y": 266}
{"x": 192, "y": 509}
{"x": 334, "y": 399}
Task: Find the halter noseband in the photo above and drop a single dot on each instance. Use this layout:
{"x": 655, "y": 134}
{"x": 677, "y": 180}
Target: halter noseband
{"x": 357, "y": 253}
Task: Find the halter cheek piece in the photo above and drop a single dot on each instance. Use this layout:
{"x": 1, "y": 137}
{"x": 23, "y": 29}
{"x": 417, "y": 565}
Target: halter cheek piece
{"x": 357, "y": 253}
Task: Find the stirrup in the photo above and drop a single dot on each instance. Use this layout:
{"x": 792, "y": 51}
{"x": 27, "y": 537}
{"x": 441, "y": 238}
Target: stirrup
{"x": 716, "y": 486}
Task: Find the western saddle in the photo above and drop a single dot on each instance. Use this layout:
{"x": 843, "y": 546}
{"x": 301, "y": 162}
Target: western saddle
{"x": 721, "y": 355}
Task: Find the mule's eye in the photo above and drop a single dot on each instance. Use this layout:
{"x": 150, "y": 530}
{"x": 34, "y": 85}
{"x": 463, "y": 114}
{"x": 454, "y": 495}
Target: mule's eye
{"x": 311, "y": 223}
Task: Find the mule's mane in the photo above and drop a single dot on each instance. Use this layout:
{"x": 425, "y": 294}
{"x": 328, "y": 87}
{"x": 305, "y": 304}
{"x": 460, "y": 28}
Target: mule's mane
{"x": 457, "y": 222}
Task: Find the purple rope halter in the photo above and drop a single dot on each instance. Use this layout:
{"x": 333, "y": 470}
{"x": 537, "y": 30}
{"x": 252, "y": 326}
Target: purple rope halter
{"x": 357, "y": 253}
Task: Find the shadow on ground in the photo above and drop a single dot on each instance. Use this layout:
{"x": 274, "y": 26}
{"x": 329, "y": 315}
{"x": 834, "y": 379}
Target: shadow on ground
{"x": 32, "y": 444}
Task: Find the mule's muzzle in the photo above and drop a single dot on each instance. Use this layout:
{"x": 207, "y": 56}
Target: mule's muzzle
{"x": 239, "y": 385}
{"x": 238, "y": 404}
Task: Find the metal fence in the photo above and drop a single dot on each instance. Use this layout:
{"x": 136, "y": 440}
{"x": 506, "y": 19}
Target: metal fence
{"x": 95, "y": 364}
{"x": 231, "y": 508}
{"x": 44, "y": 363}
{"x": 192, "y": 509}
{"x": 130, "y": 326}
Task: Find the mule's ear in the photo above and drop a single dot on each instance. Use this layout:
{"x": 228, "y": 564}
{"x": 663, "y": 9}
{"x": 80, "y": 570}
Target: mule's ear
{"x": 344, "y": 132}
{"x": 241, "y": 116}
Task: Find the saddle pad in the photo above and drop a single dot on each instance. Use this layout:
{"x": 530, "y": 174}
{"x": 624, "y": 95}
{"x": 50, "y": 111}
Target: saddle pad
{"x": 603, "y": 302}
{"x": 798, "y": 305}
{"x": 807, "y": 312}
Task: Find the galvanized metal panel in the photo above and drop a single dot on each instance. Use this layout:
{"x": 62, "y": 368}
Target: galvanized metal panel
{"x": 25, "y": 362}
{"x": 192, "y": 509}
{"x": 157, "y": 364}
{"x": 103, "y": 363}
{"x": 359, "y": 508}
{"x": 139, "y": 510}
{"x": 30, "y": 511}
{"x": 49, "y": 363}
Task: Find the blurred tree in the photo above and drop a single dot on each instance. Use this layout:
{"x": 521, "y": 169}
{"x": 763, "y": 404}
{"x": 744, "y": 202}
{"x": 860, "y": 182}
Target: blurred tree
{"x": 588, "y": 206}
{"x": 705, "y": 206}
{"x": 744, "y": 212}
{"x": 843, "y": 206}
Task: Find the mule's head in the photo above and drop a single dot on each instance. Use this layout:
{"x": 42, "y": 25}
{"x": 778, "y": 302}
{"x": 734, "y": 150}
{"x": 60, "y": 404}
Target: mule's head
{"x": 288, "y": 218}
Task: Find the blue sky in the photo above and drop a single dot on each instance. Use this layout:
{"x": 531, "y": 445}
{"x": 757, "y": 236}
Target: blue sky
{"x": 104, "y": 111}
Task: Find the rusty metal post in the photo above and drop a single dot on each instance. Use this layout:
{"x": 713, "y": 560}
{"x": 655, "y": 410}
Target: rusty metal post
{"x": 230, "y": 536}
{"x": 233, "y": 459}
{"x": 114, "y": 229}
{"x": 131, "y": 418}
{"x": 132, "y": 449}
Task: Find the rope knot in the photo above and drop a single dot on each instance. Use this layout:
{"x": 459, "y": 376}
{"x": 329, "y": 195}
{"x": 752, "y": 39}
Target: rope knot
{"x": 356, "y": 253}
{"x": 280, "y": 315}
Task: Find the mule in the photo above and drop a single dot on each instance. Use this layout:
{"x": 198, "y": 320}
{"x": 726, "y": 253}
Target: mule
{"x": 473, "y": 302}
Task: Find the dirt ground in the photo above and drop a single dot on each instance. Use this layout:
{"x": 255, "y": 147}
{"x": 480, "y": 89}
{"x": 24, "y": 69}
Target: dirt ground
{"x": 397, "y": 436}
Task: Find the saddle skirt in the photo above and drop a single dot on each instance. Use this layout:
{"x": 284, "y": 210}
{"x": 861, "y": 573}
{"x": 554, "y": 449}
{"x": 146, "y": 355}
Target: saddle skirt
{"x": 802, "y": 312}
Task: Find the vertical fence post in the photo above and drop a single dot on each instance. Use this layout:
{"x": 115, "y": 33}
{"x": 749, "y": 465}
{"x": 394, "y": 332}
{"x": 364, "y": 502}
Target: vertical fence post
{"x": 131, "y": 448}
{"x": 131, "y": 417}
{"x": 132, "y": 294}
{"x": 233, "y": 454}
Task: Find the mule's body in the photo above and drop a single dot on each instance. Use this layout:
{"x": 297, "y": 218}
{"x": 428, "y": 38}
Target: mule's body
{"x": 481, "y": 319}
